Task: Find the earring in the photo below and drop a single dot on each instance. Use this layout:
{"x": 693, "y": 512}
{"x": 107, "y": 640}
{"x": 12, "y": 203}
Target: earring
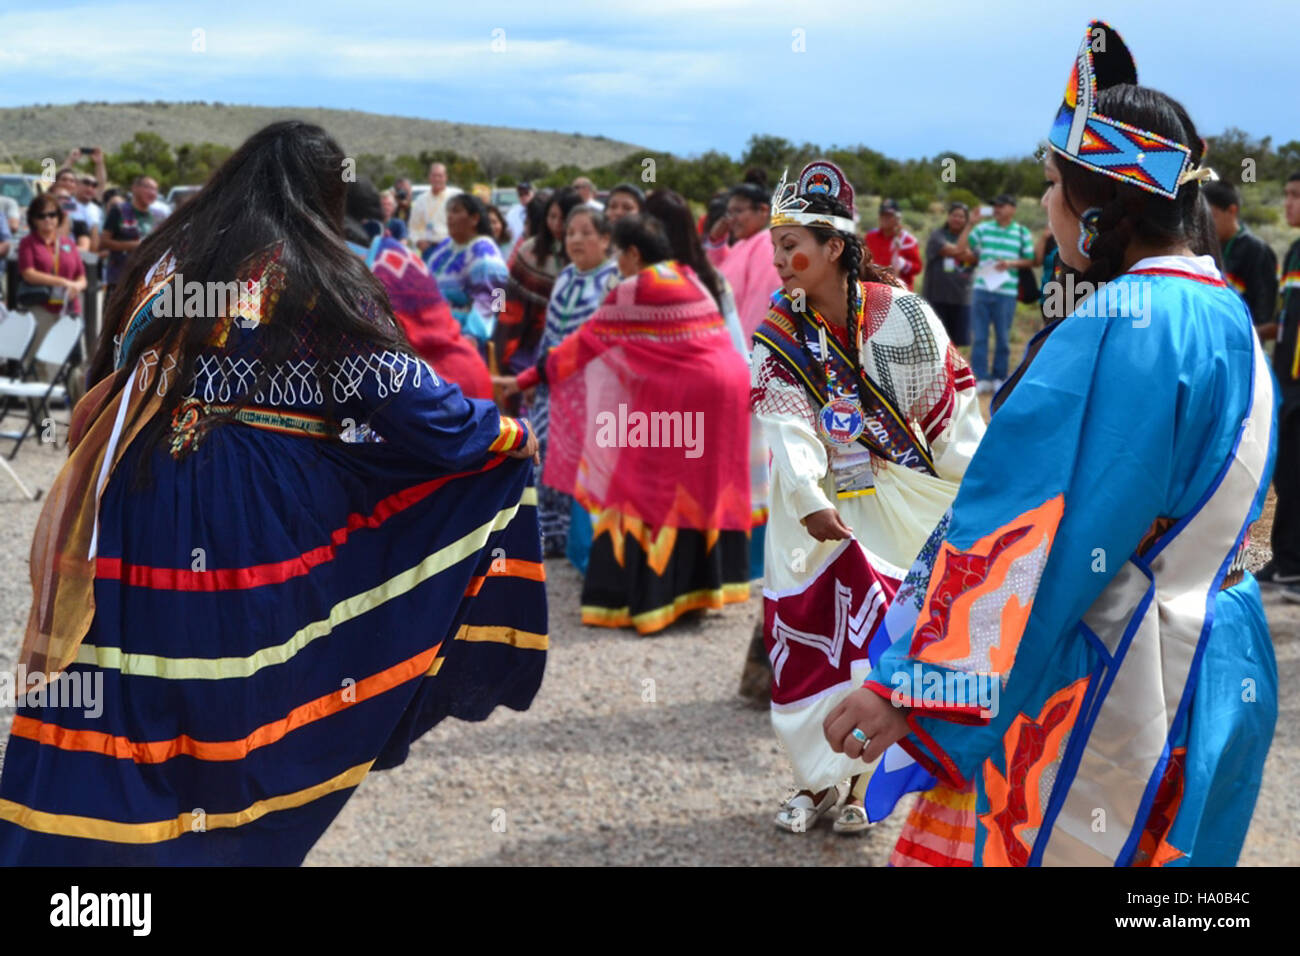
{"x": 1088, "y": 230}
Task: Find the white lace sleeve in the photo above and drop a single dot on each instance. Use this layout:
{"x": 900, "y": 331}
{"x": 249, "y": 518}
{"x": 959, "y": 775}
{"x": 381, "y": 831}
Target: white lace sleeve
{"x": 788, "y": 419}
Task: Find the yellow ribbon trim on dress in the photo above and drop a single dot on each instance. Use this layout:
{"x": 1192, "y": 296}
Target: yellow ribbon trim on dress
{"x": 222, "y": 668}
{"x": 93, "y": 828}
{"x": 528, "y": 640}
{"x": 658, "y": 618}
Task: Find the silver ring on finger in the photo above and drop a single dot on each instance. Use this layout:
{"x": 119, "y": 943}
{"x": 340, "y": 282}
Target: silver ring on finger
{"x": 859, "y": 736}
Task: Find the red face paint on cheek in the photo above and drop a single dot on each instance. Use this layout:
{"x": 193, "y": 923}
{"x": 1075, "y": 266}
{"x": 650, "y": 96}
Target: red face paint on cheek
{"x": 799, "y": 262}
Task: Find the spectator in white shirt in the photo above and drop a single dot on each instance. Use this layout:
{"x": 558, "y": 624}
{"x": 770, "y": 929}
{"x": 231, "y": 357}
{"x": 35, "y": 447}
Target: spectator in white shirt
{"x": 587, "y": 190}
{"x": 517, "y": 218}
{"x": 87, "y": 210}
{"x": 429, "y": 212}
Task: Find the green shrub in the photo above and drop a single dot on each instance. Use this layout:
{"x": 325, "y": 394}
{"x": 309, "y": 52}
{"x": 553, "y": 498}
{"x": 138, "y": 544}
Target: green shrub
{"x": 1261, "y": 215}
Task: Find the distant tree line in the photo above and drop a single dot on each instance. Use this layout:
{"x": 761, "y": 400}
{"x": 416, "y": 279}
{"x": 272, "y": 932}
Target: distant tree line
{"x": 916, "y": 183}
{"x": 148, "y": 154}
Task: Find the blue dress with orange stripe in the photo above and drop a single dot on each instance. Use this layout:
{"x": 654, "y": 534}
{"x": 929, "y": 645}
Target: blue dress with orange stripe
{"x": 284, "y": 602}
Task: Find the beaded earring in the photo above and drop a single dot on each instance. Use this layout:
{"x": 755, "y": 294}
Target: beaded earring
{"x": 1088, "y": 230}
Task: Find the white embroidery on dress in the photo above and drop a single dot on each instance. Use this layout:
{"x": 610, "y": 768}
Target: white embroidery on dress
{"x": 222, "y": 378}
{"x": 148, "y": 361}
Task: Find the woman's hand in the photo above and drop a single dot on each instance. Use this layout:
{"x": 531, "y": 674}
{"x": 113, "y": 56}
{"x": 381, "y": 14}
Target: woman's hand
{"x": 881, "y": 721}
{"x": 827, "y": 525}
{"x": 508, "y": 385}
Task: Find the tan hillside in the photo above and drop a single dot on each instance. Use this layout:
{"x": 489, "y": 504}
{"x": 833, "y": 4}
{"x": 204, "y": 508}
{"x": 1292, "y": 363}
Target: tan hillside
{"x": 34, "y": 132}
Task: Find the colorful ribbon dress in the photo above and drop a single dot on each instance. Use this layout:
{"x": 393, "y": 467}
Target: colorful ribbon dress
{"x": 918, "y": 425}
{"x": 1080, "y": 639}
{"x": 293, "y": 592}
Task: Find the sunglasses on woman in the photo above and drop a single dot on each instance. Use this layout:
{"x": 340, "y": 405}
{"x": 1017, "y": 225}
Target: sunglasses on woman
{"x": 46, "y": 215}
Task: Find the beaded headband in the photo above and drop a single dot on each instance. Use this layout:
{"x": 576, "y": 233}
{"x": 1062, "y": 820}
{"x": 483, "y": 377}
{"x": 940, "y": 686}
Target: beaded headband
{"x": 820, "y": 177}
{"x": 1107, "y": 146}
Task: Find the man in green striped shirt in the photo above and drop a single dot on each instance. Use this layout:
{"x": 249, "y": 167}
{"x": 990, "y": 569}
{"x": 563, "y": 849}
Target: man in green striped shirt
{"x": 1000, "y": 248}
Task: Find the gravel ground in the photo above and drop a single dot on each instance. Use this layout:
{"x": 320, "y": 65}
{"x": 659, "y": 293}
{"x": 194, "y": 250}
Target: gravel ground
{"x": 609, "y": 769}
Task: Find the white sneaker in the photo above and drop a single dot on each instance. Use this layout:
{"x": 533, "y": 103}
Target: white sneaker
{"x": 983, "y": 387}
{"x": 998, "y": 383}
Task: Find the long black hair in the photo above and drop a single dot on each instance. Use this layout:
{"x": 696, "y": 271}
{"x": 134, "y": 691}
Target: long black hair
{"x": 679, "y": 226}
{"x": 282, "y": 191}
{"x": 854, "y": 262}
{"x": 493, "y": 210}
{"x": 566, "y": 197}
{"x": 363, "y": 213}
{"x": 473, "y": 206}
{"x": 1129, "y": 213}
{"x": 535, "y": 214}
{"x": 646, "y": 235}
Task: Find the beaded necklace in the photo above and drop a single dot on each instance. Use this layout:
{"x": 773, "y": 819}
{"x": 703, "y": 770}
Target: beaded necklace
{"x": 841, "y": 420}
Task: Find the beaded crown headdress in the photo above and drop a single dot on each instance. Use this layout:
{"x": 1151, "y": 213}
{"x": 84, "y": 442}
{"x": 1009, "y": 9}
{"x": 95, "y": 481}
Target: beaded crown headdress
{"x": 1108, "y": 146}
{"x": 790, "y": 205}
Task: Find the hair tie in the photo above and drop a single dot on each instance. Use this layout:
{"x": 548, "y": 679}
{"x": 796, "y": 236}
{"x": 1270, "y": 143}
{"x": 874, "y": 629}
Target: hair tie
{"x": 1200, "y": 174}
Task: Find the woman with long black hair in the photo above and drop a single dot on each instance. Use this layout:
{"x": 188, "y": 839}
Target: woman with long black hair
{"x": 1080, "y": 644}
{"x": 272, "y": 552}
{"x": 674, "y": 214}
{"x": 872, "y": 418}
{"x": 533, "y": 268}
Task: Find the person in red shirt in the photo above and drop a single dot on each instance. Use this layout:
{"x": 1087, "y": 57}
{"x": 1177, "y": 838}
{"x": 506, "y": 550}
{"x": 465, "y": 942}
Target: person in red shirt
{"x": 893, "y": 247}
{"x": 53, "y": 276}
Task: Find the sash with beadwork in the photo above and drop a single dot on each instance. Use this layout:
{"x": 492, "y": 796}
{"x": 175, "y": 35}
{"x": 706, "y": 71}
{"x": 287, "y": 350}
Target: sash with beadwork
{"x": 887, "y": 432}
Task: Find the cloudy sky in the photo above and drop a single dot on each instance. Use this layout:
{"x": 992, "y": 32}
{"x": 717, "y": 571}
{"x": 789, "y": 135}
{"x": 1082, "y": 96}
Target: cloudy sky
{"x": 907, "y": 77}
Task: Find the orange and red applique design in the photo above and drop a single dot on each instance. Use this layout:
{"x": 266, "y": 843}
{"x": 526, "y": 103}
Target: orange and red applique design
{"x": 1153, "y": 846}
{"x": 961, "y": 578}
{"x": 1017, "y": 801}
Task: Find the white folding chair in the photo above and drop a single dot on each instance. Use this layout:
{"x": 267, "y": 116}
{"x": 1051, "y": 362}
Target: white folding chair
{"x": 57, "y": 349}
{"x": 17, "y": 329}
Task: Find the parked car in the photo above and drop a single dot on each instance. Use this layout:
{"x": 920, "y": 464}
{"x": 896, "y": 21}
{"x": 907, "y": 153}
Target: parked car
{"x": 178, "y": 194}
{"x": 503, "y": 197}
{"x": 22, "y": 188}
